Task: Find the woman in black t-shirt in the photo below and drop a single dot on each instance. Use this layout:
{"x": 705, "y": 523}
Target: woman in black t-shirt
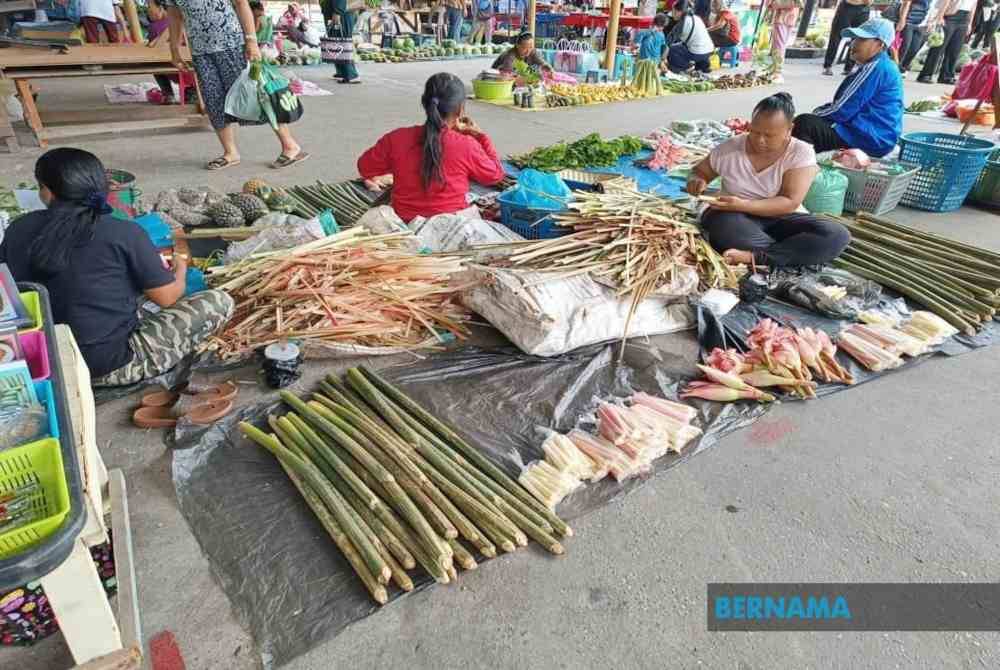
{"x": 96, "y": 267}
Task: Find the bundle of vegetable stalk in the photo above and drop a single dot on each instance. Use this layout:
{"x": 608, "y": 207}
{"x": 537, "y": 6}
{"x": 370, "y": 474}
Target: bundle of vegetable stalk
{"x": 347, "y": 202}
{"x": 958, "y": 282}
{"x": 630, "y": 437}
{"x": 647, "y": 78}
{"x": 396, "y": 488}
{"x": 351, "y": 287}
{"x": 590, "y": 151}
{"x": 778, "y": 357}
{"x": 636, "y": 241}
{"x": 880, "y": 342}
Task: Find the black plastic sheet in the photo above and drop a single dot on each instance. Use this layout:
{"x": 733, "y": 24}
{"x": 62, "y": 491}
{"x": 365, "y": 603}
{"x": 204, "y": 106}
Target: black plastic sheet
{"x": 285, "y": 579}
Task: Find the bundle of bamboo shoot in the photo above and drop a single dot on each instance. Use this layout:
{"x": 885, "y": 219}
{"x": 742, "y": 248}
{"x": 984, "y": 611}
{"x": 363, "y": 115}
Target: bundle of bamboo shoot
{"x": 958, "y": 282}
{"x": 637, "y": 241}
{"x": 396, "y": 488}
{"x": 351, "y": 287}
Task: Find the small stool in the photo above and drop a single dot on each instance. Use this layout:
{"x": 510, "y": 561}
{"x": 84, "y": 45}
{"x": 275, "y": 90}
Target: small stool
{"x": 734, "y": 55}
{"x": 596, "y": 76}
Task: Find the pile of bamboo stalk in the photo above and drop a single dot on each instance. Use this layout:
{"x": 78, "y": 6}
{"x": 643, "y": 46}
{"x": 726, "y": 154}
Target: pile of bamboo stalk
{"x": 347, "y": 202}
{"x": 352, "y": 287}
{"x": 636, "y": 241}
{"x": 396, "y": 488}
{"x": 959, "y": 282}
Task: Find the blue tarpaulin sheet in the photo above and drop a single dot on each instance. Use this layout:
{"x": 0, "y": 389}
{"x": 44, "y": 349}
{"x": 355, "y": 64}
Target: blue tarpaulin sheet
{"x": 649, "y": 181}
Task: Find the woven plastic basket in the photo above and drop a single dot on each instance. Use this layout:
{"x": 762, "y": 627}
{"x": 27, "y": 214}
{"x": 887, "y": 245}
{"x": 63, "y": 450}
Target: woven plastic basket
{"x": 875, "y": 192}
{"x": 949, "y": 167}
{"x": 39, "y": 463}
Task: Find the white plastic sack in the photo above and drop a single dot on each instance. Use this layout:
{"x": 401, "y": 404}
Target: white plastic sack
{"x": 444, "y": 232}
{"x": 548, "y": 317}
{"x": 282, "y": 231}
{"x": 242, "y": 101}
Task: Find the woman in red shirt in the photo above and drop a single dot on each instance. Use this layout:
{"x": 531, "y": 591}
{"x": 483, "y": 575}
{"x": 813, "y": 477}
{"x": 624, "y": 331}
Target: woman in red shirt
{"x": 431, "y": 165}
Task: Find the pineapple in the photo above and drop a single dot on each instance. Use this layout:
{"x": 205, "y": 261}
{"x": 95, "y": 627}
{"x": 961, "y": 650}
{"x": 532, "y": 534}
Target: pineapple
{"x": 254, "y": 186}
{"x": 251, "y": 206}
{"x": 227, "y": 215}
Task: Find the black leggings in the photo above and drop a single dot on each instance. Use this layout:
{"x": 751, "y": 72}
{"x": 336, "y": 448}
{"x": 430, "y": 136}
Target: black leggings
{"x": 792, "y": 239}
{"x": 817, "y": 131}
{"x": 846, "y": 16}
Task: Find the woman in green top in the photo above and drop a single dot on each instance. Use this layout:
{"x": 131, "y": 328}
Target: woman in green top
{"x": 262, "y": 22}
{"x": 524, "y": 51}
{"x": 347, "y": 73}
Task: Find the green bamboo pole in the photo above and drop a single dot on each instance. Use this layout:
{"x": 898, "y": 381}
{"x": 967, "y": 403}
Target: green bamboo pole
{"x": 468, "y": 451}
{"x": 462, "y": 556}
{"x": 396, "y": 495}
{"x": 417, "y": 490}
{"x": 307, "y": 441}
{"x": 334, "y": 501}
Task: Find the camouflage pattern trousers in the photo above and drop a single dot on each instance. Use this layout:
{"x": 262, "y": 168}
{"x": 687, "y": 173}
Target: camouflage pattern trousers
{"x": 165, "y": 338}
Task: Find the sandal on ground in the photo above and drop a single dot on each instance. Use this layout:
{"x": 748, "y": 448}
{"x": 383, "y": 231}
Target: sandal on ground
{"x": 284, "y": 161}
{"x": 202, "y": 393}
{"x": 200, "y": 414}
{"x": 348, "y": 81}
{"x": 221, "y": 163}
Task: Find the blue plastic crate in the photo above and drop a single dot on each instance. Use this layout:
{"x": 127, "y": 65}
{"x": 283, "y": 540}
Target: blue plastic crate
{"x": 949, "y": 167}
{"x": 529, "y": 223}
{"x": 43, "y": 390}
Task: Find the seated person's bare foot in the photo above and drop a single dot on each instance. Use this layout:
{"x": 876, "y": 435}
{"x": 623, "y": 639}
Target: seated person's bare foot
{"x": 738, "y": 257}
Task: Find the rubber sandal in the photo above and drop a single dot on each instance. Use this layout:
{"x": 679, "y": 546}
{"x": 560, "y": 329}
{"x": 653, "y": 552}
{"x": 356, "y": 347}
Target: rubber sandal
{"x": 211, "y": 392}
{"x": 159, "y": 399}
{"x": 200, "y": 414}
{"x": 352, "y": 81}
{"x": 284, "y": 161}
{"x": 220, "y": 163}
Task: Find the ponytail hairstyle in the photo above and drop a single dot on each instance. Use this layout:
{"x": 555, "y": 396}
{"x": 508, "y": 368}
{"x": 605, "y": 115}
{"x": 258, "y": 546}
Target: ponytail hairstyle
{"x": 79, "y": 190}
{"x": 779, "y": 102}
{"x": 444, "y": 95}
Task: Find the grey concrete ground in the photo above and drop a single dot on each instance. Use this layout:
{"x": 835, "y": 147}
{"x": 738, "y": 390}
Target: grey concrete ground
{"x": 895, "y": 481}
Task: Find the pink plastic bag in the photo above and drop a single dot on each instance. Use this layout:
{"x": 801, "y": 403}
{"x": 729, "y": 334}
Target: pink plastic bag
{"x": 552, "y": 77}
{"x": 974, "y": 83}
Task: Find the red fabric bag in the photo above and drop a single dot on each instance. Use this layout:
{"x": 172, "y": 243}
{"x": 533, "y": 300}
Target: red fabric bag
{"x": 976, "y": 82}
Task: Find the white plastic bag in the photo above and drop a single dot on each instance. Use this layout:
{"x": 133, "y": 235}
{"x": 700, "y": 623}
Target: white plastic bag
{"x": 15, "y": 112}
{"x": 242, "y": 101}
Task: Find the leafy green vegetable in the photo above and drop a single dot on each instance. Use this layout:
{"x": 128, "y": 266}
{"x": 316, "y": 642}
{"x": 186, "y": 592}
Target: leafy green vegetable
{"x": 590, "y": 151}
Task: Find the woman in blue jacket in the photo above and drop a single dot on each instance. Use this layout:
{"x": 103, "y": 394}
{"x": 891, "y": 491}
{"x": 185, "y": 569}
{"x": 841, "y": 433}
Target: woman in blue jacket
{"x": 867, "y": 110}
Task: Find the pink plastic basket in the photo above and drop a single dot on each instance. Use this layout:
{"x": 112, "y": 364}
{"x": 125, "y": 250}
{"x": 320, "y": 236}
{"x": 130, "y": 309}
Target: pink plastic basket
{"x": 36, "y": 353}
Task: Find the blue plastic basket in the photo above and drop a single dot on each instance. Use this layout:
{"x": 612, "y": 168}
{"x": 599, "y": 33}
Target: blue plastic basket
{"x": 530, "y": 223}
{"x": 949, "y": 166}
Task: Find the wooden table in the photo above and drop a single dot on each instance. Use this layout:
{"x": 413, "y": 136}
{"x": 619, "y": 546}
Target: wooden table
{"x": 21, "y": 65}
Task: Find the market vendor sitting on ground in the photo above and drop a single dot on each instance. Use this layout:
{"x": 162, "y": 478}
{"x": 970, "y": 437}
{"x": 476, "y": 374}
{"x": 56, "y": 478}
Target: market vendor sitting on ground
{"x": 96, "y": 267}
{"x": 690, "y": 43}
{"x": 725, "y": 29}
{"x": 652, "y": 42}
{"x": 431, "y": 165}
{"x": 766, "y": 174}
{"x": 867, "y": 110}
{"x": 523, "y": 51}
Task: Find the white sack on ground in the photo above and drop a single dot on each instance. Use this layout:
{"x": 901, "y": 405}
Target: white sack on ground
{"x": 547, "y": 317}
{"x": 444, "y": 232}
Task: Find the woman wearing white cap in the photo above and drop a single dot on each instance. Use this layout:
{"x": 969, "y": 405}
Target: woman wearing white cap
{"x": 867, "y": 110}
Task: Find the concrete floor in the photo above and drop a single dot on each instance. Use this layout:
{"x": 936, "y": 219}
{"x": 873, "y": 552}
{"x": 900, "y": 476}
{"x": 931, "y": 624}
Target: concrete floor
{"x": 895, "y": 481}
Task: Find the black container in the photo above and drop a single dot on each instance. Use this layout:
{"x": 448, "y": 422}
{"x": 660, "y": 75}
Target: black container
{"x": 48, "y": 555}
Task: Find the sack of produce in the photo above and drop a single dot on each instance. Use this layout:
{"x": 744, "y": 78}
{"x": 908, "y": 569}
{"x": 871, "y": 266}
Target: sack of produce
{"x": 547, "y": 317}
{"x": 281, "y": 231}
{"x": 826, "y": 195}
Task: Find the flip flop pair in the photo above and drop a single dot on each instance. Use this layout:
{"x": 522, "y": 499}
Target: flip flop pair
{"x": 201, "y": 406}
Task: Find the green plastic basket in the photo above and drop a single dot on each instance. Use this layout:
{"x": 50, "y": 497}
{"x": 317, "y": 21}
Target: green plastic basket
{"x": 987, "y": 188}
{"x": 493, "y": 90}
{"x": 34, "y": 307}
{"x": 36, "y": 462}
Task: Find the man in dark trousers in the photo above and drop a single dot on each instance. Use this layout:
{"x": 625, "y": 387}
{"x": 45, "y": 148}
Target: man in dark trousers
{"x": 956, "y": 17}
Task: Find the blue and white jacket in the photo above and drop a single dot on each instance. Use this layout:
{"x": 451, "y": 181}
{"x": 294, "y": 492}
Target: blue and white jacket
{"x": 867, "y": 111}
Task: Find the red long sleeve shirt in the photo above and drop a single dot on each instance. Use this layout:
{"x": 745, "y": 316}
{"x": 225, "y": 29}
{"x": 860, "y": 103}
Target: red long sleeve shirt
{"x": 400, "y": 153}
